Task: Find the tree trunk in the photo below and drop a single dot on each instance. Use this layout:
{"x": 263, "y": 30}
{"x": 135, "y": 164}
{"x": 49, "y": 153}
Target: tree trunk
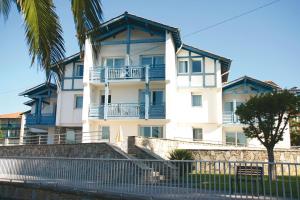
{"x": 271, "y": 163}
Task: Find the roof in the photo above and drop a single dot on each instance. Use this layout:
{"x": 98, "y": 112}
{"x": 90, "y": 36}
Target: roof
{"x": 38, "y": 88}
{"x": 116, "y": 25}
{"x": 225, "y": 62}
{"x": 11, "y": 115}
{"x": 29, "y": 103}
{"x": 244, "y": 79}
{"x": 272, "y": 83}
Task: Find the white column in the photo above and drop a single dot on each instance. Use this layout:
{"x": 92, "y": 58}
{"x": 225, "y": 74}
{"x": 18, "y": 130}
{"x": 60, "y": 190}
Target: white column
{"x": 22, "y": 129}
{"x": 87, "y": 90}
{"x": 171, "y": 86}
{"x": 234, "y": 109}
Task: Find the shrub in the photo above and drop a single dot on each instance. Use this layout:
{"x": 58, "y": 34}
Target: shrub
{"x": 182, "y": 154}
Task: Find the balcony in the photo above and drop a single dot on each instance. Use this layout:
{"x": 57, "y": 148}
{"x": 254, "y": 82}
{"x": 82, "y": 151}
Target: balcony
{"x": 127, "y": 73}
{"x": 10, "y": 126}
{"x": 127, "y": 111}
{"x": 230, "y": 118}
{"x": 43, "y": 119}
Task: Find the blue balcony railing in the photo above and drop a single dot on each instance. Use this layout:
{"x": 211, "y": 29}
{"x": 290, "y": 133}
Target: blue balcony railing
{"x": 127, "y": 110}
{"x": 43, "y": 119}
{"x": 97, "y": 74}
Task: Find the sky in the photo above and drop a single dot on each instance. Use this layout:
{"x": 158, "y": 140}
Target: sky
{"x": 264, "y": 44}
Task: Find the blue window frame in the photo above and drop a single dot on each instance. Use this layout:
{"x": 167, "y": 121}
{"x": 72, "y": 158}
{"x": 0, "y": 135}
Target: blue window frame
{"x": 151, "y": 131}
{"x": 78, "y": 70}
{"x": 157, "y": 97}
{"x": 196, "y": 66}
{"x": 183, "y": 67}
{"x": 153, "y": 61}
{"x": 78, "y": 101}
{"x": 196, "y": 100}
{"x": 115, "y": 62}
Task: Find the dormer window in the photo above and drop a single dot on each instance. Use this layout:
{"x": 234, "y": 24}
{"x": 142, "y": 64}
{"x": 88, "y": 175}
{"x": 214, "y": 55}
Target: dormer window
{"x": 183, "y": 67}
{"x": 78, "y": 70}
{"x": 196, "y": 66}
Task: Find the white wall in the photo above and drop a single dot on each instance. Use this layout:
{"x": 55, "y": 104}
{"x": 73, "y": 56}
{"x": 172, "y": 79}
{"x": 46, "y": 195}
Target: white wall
{"x": 67, "y": 114}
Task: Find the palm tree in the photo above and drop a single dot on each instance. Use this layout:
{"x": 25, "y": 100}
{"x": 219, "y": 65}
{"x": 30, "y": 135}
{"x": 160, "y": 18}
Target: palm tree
{"x": 43, "y": 30}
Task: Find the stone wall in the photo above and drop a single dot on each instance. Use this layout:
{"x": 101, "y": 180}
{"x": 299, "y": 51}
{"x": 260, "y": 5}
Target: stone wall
{"x": 91, "y": 150}
{"x": 204, "y": 151}
{"x": 291, "y": 156}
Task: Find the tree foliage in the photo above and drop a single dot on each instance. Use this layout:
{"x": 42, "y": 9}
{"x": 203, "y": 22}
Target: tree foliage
{"x": 43, "y": 31}
{"x": 267, "y": 116}
{"x": 295, "y": 131}
{"x": 181, "y": 154}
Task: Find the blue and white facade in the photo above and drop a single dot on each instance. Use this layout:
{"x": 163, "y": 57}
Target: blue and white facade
{"x": 138, "y": 78}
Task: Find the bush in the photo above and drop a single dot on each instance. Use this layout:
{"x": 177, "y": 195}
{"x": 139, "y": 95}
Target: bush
{"x": 182, "y": 154}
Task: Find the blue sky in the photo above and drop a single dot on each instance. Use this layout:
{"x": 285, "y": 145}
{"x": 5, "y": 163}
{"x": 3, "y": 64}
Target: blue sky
{"x": 264, "y": 44}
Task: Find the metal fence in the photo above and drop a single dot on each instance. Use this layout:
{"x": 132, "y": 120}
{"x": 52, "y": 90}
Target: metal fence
{"x": 158, "y": 178}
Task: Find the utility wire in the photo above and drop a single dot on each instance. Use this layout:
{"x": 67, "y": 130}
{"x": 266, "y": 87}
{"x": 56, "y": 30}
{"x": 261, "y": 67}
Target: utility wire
{"x": 216, "y": 24}
{"x": 231, "y": 18}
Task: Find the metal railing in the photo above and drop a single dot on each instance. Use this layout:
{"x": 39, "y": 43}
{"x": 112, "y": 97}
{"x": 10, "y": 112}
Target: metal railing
{"x": 62, "y": 138}
{"x": 43, "y": 119}
{"x": 159, "y": 178}
{"x": 97, "y": 74}
{"x": 230, "y": 118}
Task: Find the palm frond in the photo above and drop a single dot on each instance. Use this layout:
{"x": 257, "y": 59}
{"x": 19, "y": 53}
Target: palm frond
{"x": 87, "y": 15}
{"x": 5, "y": 6}
{"x": 43, "y": 32}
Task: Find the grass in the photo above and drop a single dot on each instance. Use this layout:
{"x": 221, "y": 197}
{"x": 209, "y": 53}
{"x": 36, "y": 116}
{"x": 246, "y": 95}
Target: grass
{"x": 283, "y": 186}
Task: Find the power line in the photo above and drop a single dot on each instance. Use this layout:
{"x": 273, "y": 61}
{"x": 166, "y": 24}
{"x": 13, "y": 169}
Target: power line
{"x": 231, "y": 18}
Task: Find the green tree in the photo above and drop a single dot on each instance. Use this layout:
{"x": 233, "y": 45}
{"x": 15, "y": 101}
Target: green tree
{"x": 43, "y": 31}
{"x": 267, "y": 116}
{"x": 295, "y": 131}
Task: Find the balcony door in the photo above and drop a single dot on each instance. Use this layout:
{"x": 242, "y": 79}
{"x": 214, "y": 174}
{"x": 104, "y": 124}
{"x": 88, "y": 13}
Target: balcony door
{"x": 114, "y": 62}
{"x": 153, "y": 61}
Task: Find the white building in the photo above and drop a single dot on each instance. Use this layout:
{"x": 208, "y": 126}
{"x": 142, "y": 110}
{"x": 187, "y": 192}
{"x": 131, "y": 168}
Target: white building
{"x": 139, "y": 79}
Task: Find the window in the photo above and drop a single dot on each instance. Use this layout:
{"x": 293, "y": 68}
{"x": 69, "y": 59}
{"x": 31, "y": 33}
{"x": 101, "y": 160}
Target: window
{"x": 196, "y": 66}
{"x": 197, "y": 134}
{"x": 236, "y": 138}
{"x": 196, "y": 100}
{"x": 151, "y": 131}
{"x": 103, "y": 99}
{"x": 78, "y": 101}
{"x": 78, "y": 70}
{"x": 105, "y": 133}
{"x": 153, "y": 61}
{"x": 157, "y": 98}
{"x": 183, "y": 67}
{"x": 230, "y": 138}
{"x": 115, "y": 62}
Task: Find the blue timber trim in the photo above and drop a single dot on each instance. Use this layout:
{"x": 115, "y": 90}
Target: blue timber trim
{"x": 72, "y": 78}
{"x": 128, "y": 40}
{"x": 120, "y": 42}
{"x": 189, "y": 57}
{"x": 148, "y": 30}
{"x": 110, "y": 33}
{"x": 202, "y": 73}
{"x": 245, "y": 82}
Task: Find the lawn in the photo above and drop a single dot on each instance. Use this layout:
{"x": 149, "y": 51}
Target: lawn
{"x": 283, "y": 186}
